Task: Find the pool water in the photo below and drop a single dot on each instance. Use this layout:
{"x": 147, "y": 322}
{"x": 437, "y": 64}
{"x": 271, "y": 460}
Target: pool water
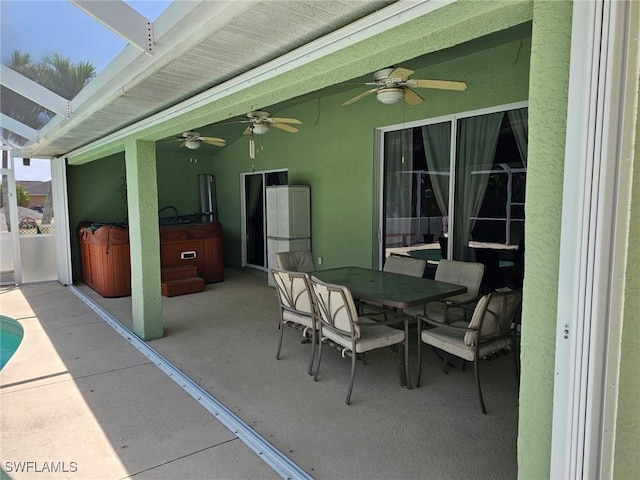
{"x": 11, "y": 334}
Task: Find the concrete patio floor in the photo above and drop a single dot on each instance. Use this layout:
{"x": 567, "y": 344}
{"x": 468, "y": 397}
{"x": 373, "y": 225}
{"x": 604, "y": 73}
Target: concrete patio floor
{"x": 76, "y": 390}
{"x": 78, "y": 398}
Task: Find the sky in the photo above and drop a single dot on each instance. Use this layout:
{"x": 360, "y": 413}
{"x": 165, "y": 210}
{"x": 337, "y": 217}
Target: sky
{"x": 41, "y": 26}
{"x": 39, "y": 170}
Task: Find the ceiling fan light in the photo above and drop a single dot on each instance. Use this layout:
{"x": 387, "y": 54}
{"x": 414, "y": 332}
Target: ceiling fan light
{"x": 260, "y": 128}
{"x": 390, "y": 95}
{"x": 192, "y": 144}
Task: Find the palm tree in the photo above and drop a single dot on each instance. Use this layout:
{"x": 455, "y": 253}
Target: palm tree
{"x": 54, "y": 72}
{"x": 62, "y": 76}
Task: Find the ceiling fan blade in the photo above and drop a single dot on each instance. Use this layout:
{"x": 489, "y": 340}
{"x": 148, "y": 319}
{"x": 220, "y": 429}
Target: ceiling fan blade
{"x": 218, "y": 142}
{"x": 411, "y": 97}
{"x": 247, "y": 131}
{"x": 402, "y": 73}
{"x": 285, "y": 120}
{"x": 441, "y": 84}
{"x": 358, "y": 97}
{"x": 285, "y": 127}
{"x": 233, "y": 122}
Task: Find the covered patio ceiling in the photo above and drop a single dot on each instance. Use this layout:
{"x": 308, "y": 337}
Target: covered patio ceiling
{"x": 192, "y": 47}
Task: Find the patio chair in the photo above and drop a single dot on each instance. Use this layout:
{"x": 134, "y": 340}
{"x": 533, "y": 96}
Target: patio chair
{"x": 414, "y": 267}
{"x": 491, "y": 332}
{"x": 297, "y": 261}
{"x": 342, "y": 328}
{"x": 296, "y": 307}
{"x": 469, "y": 274}
{"x": 403, "y": 265}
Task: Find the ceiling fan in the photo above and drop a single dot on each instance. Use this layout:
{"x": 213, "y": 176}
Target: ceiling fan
{"x": 193, "y": 140}
{"x": 393, "y": 84}
{"x": 260, "y": 122}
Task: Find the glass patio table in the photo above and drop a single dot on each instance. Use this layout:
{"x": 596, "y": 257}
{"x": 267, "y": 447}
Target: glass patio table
{"x": 391, "y": 290}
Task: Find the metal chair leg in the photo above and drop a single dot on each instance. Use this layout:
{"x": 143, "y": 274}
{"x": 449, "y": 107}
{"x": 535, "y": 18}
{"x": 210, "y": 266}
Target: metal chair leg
{"x": 405, "y": 344}
{"x": 314, "y": 340}
{"x": 516, "y": 356}
{"x": 315, "y": 377}
{"x": 477, "y": 369}
{"x": 353, "y": 376}
{"x": 281, "y": 327}
{"x": 445, "y": 365}
{"x": 419, "y": 353}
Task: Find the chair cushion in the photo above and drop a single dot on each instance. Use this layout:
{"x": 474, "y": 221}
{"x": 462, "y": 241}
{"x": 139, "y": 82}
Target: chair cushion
{"x": 298, "y": 261}
{"x": 293, "y": 290}
{"x": 468, "y": 274}
{"x": 294, "y": 317}
{"x": 413, "y": 267}
{"x": 453, "y": 342}
{"x": 496, "y": 313}
{"x": 449, "y": 341}
{"x": 476, "y": 320}
{"x": 371, "y": 338}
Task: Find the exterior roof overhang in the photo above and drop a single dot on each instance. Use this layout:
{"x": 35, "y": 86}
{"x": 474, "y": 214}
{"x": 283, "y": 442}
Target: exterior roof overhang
{"x": 197, "y": 45}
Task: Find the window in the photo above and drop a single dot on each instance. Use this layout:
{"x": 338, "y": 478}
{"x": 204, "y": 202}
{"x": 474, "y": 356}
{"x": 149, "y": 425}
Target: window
{"x": 456, "y": 188}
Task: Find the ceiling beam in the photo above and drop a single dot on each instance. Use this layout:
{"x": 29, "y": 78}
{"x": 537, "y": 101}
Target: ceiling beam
{"x": 34, "y": 91}
{"x": 121, "y": 19}
{"x": 8, "y": 145}
{"x": 17, "y": 127}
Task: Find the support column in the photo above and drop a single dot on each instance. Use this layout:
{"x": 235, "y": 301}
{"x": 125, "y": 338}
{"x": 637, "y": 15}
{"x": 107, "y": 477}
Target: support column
{"x": 548, "y": 93}
{"x": 144, "y": 239}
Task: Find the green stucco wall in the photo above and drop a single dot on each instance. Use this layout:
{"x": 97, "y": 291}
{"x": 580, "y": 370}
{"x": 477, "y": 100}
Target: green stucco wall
{"x": 178, "y": 179}
{"x": 551, "y": 40}
{"x": 94, "y": 196}
{"x": 627, "y": 441}
{"x": 334, "y": 150}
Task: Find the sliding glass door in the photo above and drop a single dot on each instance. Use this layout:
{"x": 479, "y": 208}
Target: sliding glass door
{"x": 254, "y": 224}
{"x": 454, "y": 188}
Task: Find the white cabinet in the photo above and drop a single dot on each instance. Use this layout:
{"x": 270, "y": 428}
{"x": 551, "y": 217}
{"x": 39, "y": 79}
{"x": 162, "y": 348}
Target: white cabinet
{"x": 288, "y": 211}
{"x": 288, "y": 220}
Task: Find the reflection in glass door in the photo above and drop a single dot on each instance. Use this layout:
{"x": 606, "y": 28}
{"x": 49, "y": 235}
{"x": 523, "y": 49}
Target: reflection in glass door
{"x": 456, "y": 190}
{"x": 416, "y": 189}
{"x": 254, "y": 224}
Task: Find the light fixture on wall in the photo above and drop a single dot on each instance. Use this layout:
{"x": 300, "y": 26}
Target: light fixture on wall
{"x": 390, "y": 96}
